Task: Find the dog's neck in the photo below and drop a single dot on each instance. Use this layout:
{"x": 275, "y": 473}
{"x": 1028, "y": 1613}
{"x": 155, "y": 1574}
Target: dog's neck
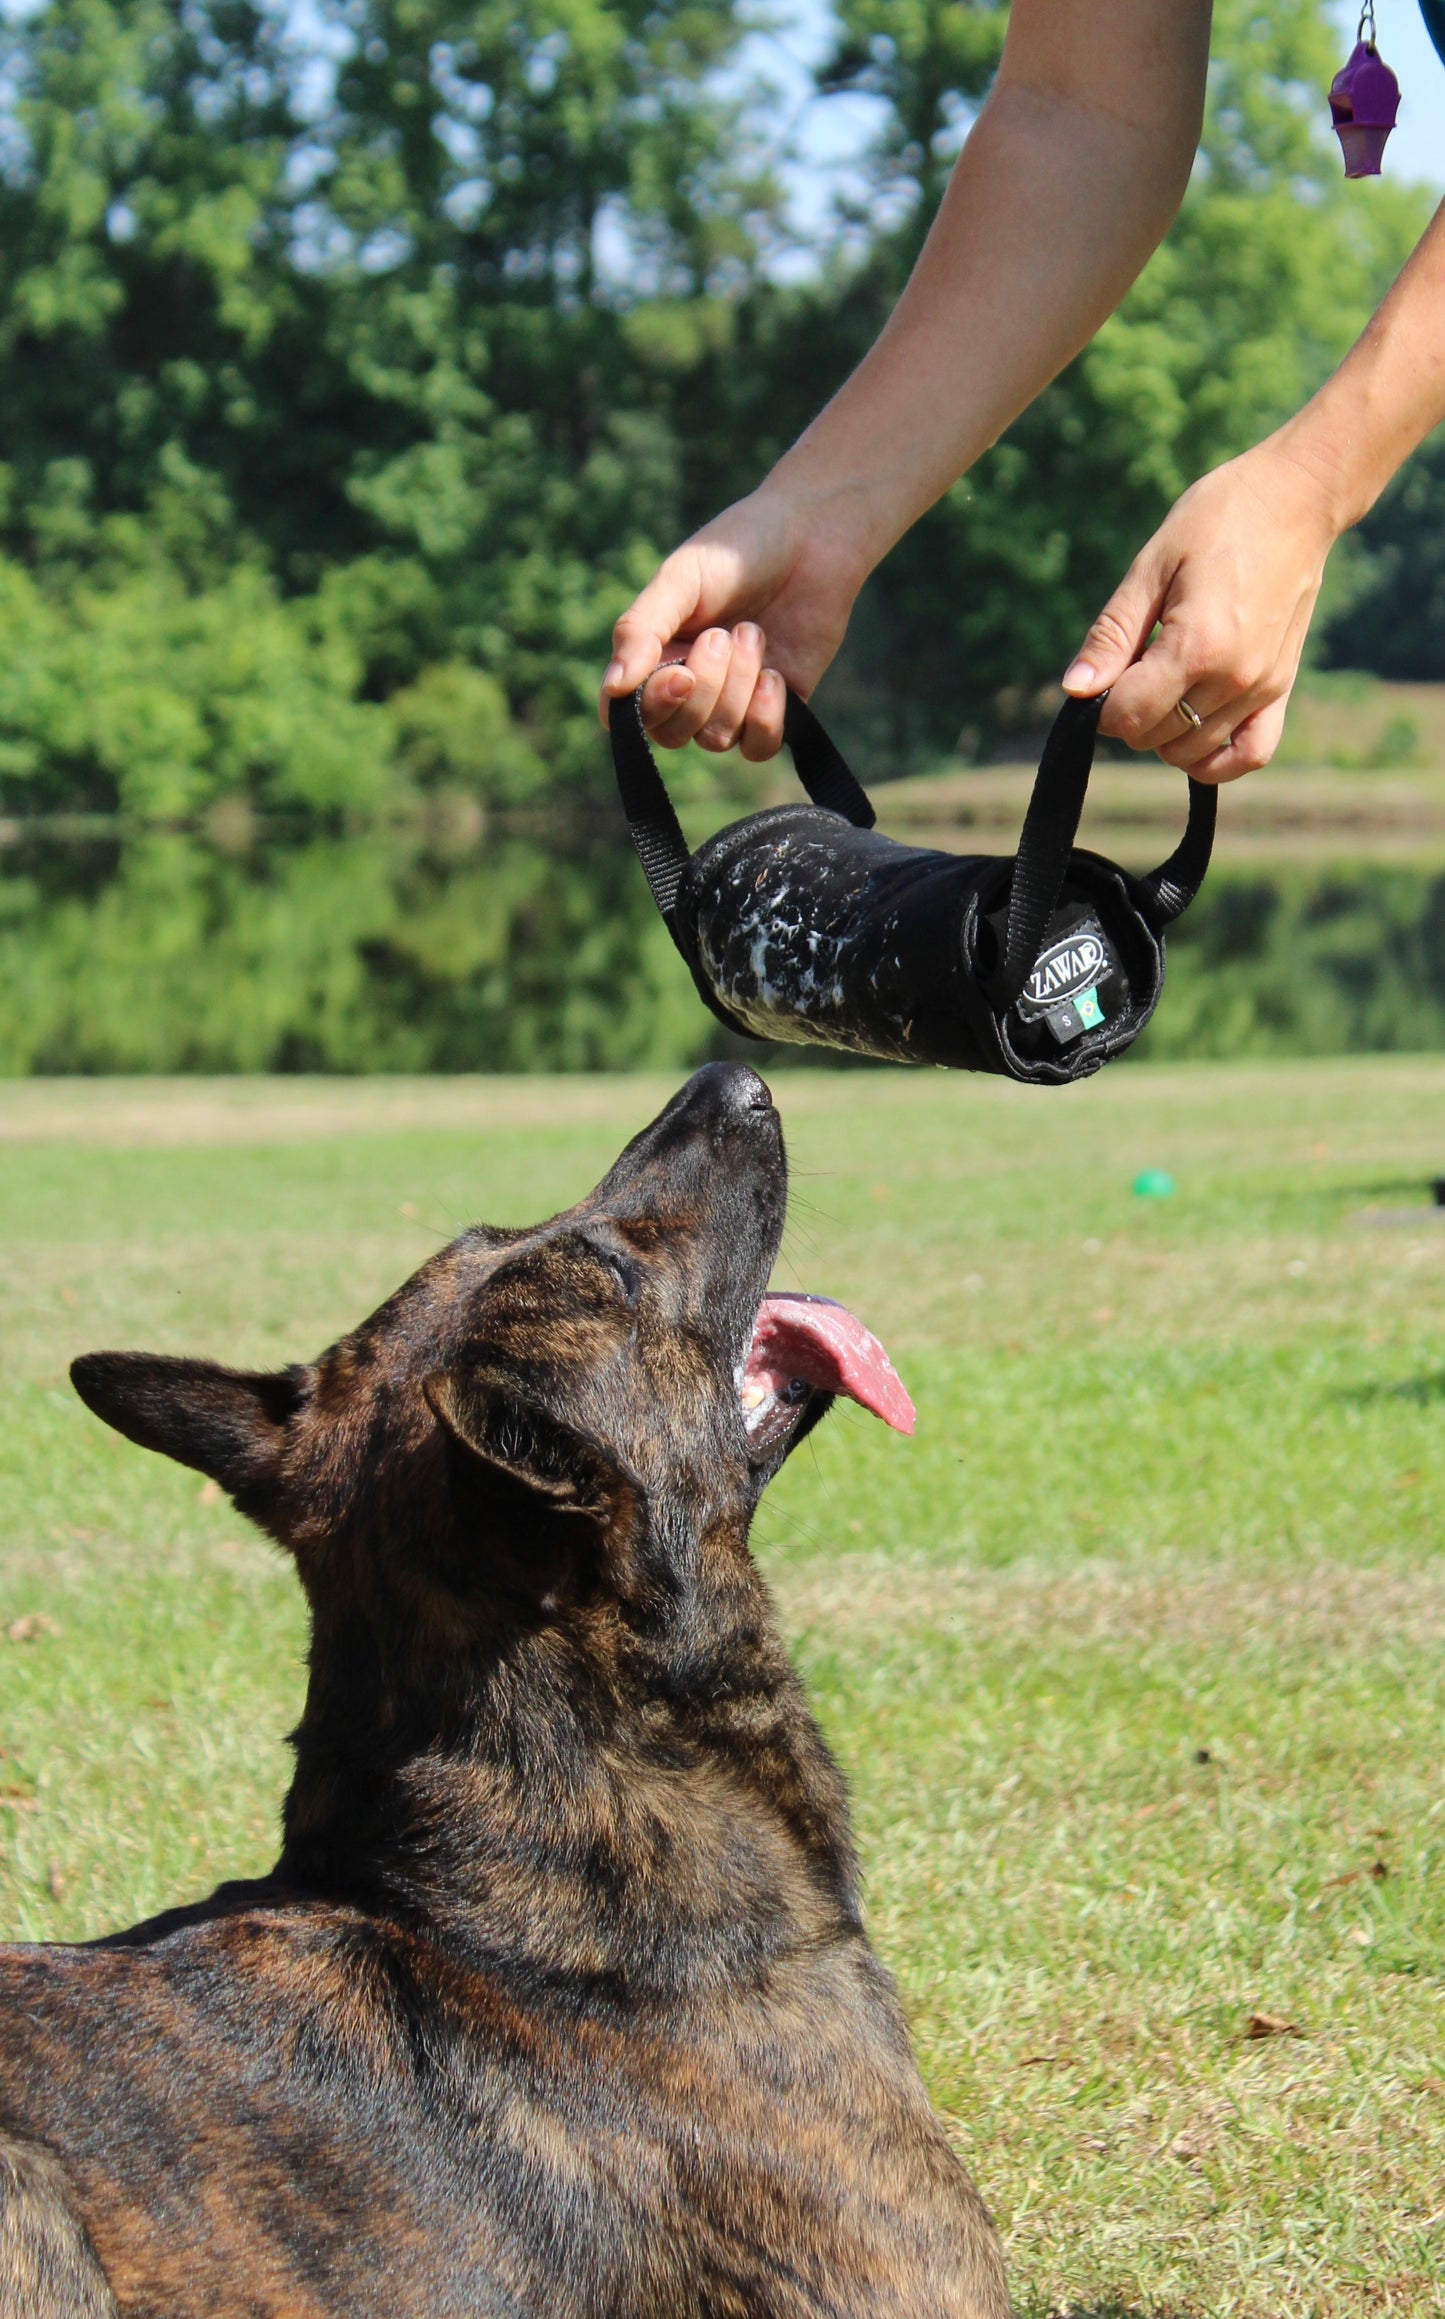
{"x": 630, "y": 1799}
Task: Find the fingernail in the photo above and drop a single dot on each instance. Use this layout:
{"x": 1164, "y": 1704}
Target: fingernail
{"x": 615, "y": 674}
{"x": 677, "y": 683}
{"x": 749, "y": 634}
{"x": 714, "y": 641}
{"x": 1080, "y": 676}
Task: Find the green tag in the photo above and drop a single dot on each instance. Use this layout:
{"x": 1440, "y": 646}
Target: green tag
{"x": 1091, "y": 1014}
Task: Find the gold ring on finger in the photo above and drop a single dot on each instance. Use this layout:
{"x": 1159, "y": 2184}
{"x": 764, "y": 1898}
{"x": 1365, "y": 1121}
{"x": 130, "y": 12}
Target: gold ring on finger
{"x": 1190, "y": 714}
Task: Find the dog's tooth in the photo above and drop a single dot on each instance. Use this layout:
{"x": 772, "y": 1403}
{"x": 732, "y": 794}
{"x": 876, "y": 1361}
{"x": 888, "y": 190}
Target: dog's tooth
{"x": 753, "y": 1396}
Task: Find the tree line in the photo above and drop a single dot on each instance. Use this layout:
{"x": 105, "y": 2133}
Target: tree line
{"x": 357, "y": 362}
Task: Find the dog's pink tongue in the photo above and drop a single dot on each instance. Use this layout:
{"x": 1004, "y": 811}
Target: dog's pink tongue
{"x": 822, "y": 1342}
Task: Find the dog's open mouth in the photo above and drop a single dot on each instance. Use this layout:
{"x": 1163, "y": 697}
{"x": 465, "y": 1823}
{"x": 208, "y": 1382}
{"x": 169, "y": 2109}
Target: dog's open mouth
{"x": 807, "y": 1344}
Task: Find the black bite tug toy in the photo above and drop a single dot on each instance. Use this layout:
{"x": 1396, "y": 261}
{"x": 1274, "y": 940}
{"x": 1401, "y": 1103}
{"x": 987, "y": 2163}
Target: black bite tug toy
{"x": 803, "y": 924}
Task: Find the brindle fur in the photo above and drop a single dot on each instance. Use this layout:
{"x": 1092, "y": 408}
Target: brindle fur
{"x": 47, "y": 2263}
{"x": 557, "y": 2000}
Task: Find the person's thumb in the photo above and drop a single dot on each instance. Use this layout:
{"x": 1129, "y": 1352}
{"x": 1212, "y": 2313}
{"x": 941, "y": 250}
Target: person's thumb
{"x": 1117, "y": 636}
{"x": 651, "y": 621}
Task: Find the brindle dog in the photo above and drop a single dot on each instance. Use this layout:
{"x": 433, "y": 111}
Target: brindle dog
{"x": 558, "y": 2000}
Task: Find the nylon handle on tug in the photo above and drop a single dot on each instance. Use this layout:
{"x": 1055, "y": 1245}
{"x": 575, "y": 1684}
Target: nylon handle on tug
{"x": 802, "y": 924}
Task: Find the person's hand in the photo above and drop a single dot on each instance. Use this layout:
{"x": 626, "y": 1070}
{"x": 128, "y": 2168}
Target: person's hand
{"x": 764, "y": 580}
{"x": 1231, "y": 578}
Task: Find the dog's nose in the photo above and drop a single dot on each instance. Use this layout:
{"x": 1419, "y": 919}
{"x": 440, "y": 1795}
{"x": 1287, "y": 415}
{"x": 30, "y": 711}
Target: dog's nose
{"x": 720, "y": 1102}
{"x": 727, "y": 1091}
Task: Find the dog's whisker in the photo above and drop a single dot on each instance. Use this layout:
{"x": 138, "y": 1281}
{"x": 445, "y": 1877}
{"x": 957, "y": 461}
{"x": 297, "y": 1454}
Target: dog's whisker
{"x": 788, "y": 1264}
{"x": 810, "y": 1207}
{"x": 807, "y": 1242}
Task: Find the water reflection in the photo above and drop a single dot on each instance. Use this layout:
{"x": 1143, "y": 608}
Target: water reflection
{"x": 534, "y": 946}
{"x": 395, "y": 949}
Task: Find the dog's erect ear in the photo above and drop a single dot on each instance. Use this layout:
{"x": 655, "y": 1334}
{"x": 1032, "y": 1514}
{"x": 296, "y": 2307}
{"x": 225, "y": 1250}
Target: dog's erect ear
{"x": 569, "y": 1470}
{"x": 228, "y": 1423}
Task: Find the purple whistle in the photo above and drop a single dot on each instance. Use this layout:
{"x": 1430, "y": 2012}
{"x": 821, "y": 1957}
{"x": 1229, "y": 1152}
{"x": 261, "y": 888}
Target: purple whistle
{"x": 1364, "y": 99}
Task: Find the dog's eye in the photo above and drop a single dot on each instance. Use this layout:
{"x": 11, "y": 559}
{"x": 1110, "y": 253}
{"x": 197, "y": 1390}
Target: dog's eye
{"x": 626, "y": 1275}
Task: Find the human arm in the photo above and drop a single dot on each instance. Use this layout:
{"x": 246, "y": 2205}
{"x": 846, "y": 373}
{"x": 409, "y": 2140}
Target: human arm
{"x": 1232, "y": 575}
{"x": 1070, "y": 177}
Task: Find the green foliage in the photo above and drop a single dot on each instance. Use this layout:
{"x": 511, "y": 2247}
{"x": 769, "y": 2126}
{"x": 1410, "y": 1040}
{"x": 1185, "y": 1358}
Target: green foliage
{"x": 1394, "y": 620}
{"x": 443, "y": 338}
{"x": 153, "y": 700}
{"x": 250, "y": 316}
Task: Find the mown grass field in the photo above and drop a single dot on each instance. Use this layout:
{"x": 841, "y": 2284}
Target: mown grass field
{"x": 1134, "y": 1655}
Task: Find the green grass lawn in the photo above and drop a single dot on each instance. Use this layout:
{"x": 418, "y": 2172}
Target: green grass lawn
{"x": 1133, "y": 1656}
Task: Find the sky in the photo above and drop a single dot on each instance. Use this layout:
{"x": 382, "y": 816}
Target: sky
{"x": 829, "y": 133}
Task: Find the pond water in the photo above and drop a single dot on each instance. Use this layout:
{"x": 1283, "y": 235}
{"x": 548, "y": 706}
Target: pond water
{"x": 384, "y": 949}
{"x": 537, "y": 948}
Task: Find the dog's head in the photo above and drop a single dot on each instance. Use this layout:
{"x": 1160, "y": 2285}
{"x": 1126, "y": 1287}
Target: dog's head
{"x": 538, "y": 1414}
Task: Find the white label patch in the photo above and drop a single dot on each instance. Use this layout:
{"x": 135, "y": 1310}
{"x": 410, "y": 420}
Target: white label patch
{"x": 1067, "y": 967}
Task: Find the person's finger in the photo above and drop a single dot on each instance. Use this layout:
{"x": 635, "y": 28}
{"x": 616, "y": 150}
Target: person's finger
{"x": 651, "y": 621}
{"x": 1251, "y": 745}
{"x": 1118, "y": 635}
{"x": 1143, "y": 708}
{"x": 762, "y": 734}
{"x": 1186, "y": 745}
{"x": 1199, "y": 656}
{"x": 707, "y": 662}
{"x": 744, "y": 668}
{"x": 665, "y": 692}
